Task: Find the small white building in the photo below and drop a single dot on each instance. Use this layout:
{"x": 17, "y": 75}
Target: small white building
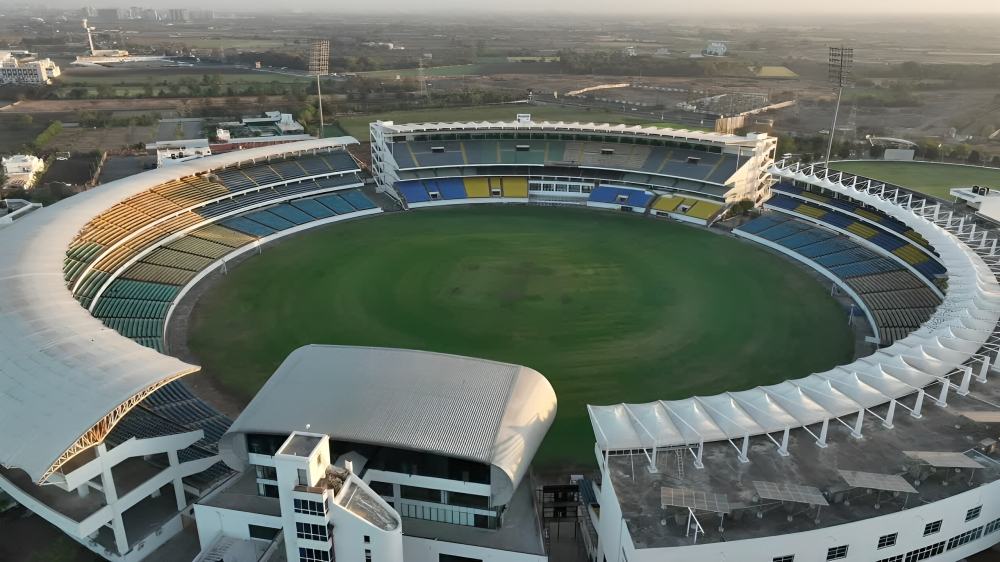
{"x": 20, "y": 169}
{"x": 38, "y": 72}
{"x": 716, "y": 49}
{"x": 174, "y": 152}
{"x": 985, "y": 200}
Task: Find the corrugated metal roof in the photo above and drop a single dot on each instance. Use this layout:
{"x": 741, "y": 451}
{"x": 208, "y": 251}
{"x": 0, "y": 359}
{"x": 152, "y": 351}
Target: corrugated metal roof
{"x": 61, "y": 370}
{"x": 462, "y": 407}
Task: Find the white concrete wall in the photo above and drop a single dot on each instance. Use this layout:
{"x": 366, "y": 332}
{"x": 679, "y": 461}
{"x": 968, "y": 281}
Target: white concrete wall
{"x": 350, "y": 532}
{"x": 214, "y": 522}
{"x": 417, "y": 549}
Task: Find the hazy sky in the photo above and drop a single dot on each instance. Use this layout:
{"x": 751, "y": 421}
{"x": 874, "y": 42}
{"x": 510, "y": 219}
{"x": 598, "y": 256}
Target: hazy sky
{"x": 664, "y": 7}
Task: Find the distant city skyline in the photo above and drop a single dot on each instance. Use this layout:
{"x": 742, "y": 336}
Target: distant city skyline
{"x": 583, "y": 7}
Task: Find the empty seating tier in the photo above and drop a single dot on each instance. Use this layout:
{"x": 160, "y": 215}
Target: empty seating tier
{"x": 875, "y": 232}
{"x": 700, "y": 209}
{"x": 897, "y": 299}
{"x": 621, "y": 196}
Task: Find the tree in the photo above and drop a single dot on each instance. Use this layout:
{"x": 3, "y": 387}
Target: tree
{"x": 974, "y": 157}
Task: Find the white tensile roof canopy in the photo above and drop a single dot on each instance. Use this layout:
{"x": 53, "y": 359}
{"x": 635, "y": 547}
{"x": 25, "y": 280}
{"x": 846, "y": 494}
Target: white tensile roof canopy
{"x": 957, "y": 330}
{"x": 65, "y": 378}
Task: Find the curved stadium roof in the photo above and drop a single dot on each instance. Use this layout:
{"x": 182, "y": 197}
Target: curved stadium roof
{"x": 489, "y": 412}
{"x": 65, "y": 378}
{"x": 954, "y": 334}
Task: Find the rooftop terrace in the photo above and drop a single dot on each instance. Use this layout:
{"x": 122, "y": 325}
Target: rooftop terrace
{"x": 880, "y": 450}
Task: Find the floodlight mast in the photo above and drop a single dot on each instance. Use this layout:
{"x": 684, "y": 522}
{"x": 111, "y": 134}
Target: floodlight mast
{"x": 840, "y": 65}
{"x": 319, "y": 64}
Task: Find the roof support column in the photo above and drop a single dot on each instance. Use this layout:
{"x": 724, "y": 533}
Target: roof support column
{"x": 984, "y": 367}
{"x": 887, "y": 422}
{"x": 697, "y": 457}
{"x": 178, "y": 483}
{"x": 783, "y": 449}
{"x": 743, "y": 450}
{"x": 963, "y": 389}
{"x": 821, "y": 441}
{"x": 856, "y": 432}
{"x": 943, "y": 397}
{"x": 111, "y": 498}
{"x": 915, "y": 412}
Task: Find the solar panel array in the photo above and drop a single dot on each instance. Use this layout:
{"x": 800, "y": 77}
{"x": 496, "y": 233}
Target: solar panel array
{"x": 943, "y": 459}
{"x": 877, "y": 481}
{"x": 694, "y": 499}
{"x": 789, "y": 493}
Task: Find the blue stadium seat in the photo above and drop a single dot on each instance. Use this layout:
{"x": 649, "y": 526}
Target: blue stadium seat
{"x": 358, "y": 200}
{"x": 291, "y": 214}
{"x": 413, "y": 191}
{"x": 269, "y": 219}
{"x": 336, "y": 204}
{"x": 247, "y": 226}
{"x": 314, "y": 208}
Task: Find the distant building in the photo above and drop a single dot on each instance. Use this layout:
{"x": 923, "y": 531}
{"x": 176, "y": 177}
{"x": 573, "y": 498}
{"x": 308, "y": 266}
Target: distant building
{"x": 179, "y": 14}
{"x": 273, "y": 122}
{"x": 20, "y": 170}
{"x": 14, "y": 71}
{"x": 175, "y": 152}
{"x": 716, "y": 49}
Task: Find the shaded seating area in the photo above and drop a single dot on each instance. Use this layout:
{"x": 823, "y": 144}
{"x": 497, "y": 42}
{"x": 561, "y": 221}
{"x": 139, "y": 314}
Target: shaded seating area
{"x": 120, "y": 233}
{"x": 890, "y": 240}
{"x": 898, "y": 300}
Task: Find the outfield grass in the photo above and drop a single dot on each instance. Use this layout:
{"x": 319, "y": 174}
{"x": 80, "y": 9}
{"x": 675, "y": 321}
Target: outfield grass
{"x": 608, "y": 307}
{"x": 926, "y": 177}
{"x": 357, "y": 125}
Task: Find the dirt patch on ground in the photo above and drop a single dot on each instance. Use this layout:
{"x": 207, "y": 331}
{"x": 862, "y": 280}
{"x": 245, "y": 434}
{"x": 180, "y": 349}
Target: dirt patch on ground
{"x": 180, "y": 105}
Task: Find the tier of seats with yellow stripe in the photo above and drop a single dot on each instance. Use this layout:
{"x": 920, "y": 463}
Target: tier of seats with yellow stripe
{"x": 700, "y": 209}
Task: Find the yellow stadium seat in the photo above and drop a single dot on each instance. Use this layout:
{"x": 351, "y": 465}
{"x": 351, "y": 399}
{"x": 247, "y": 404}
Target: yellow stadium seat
{"x": 515, "y": 187}
{"x": 666, "y": 203}
{"x": 868, "y": 215}
{"x": 810, "y": 211}
{"x": 703, "y": 210}
{"x": 861, "y": 230}
{"x": 477, "y": 187}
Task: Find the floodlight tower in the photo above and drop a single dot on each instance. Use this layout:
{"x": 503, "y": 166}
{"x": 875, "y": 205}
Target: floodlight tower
{"x": 319, "y": 64}
{"x": 841, "y": 63}
{"x": 90, "y": 38}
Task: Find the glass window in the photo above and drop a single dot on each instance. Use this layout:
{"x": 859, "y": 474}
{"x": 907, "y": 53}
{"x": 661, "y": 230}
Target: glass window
{"x": 931, "y": 528}
{"x": 263, "y": 533}
{"x": 308, "y": 531}
{"x": 381, "y": 488}
{"x": 973, "y": 513}
{"x": 785, "y": 558}
{"x": 420, "y": 494}
{"x": 313, "y": 555}
{"x": 468, "y": 500}
{"x": 885, "y": 541}
{"x": 836, "y": 552}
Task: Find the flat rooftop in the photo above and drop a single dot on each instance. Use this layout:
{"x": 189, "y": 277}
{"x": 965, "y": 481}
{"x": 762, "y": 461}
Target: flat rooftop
{"x": 880, "y": 450}
{"x": 242, "y": 495}
{"x": 300, "y": 445}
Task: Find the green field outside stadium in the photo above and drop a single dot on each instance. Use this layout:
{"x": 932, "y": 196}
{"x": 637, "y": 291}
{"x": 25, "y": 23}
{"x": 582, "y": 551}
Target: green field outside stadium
{"x": 608, "y": 307}
{"x": 931, "y": 178}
